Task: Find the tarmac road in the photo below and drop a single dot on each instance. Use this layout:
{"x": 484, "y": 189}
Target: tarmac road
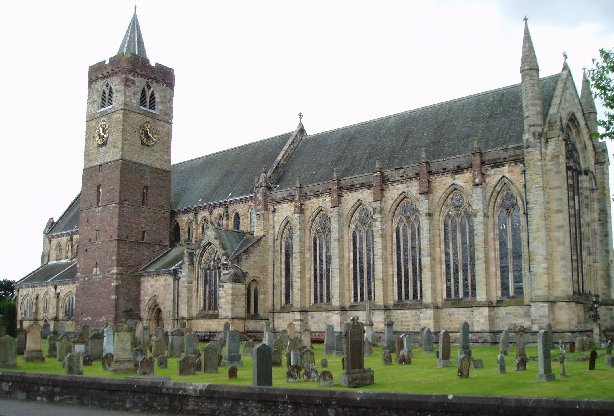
{"x": 11, "y": 407}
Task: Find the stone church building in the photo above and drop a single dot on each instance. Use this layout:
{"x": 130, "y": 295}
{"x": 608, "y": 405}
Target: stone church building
{"x": 492, "y": 209}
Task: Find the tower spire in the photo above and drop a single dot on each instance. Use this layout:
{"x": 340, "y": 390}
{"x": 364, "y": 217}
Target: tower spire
{"x": 133, "y": 44}
{"x": 588, "y": 104}
{"x": 529, "y": 59}
{"x": 531, "y": 91}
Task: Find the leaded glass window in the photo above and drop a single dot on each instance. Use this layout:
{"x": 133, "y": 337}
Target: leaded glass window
{"x": 236, "y": 221}
{"x": 510, "y": 245}
{"x": 321, "y": 259}
{"x": 210, "y": 271}
{"x": 287, "y": 265}
{"x": 69, "y": 306}
{"x": 252, "y": 298}
{"x": 362, "y": 256}
{"x": 27, "y": 308}
{"x": 458, "y": 247}
{"x": 575, "y": 214}
{"x": 408, "y": 266}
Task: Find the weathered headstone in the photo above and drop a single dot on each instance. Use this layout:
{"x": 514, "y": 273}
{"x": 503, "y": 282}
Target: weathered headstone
{"x": 226, "y": 329}
{"x": 146, "y": 366}
{"x": 329, "y": 340}
{"x": 137, "y": 355}
{"x": 326, "y": 379}
{"x": 232, "y": 372}
{"x": 386, "y": 357}
{"x": 52, "y": 350}
{"x": 107, "y": 361}
{"x": 307, "y": 356}
{"x": 464, "y": 366}
{"x": 368, "y": 348}
{"x": 279, "y": 345}
{"x": 176, "y": 343}
{"x": 87, "y": 360}
{"x": 262, "y": 369}
{"x": 427, "y": 340}
{"x": 294, "y": 343}
{"x": 501, "y": 362}
{"x": 293, "y": 374}
{"x": 550, "y": 335}
{"x": 146, "y": 337}
{"x": 233, "y": 349}
{"x": 34, "y": 351}
{"x": 276, "y": 358}
{"x": 408, "y": 343}
{"x": 20, "y": 334}
{"x": 291, "y": 328}
{"x": 338, "y": 348}
{"x": 389, "y": 335}
{"x": 504, "y": 342}
{"x": 310, "y": 373}
{"x": 354, "y": 373}
{"x": 608, "y": 354}
{"x": 463, "y": 335}
{"x": 186, "y": 366}
{"x": 295, "y": 357}
{"x": 107, "y": 345}
{"x": 209, "y": 358}
{"x": 592, "y": 358}
{"x": 521, "y": 363}
{"x": 248, "y": 347}
{"x": 158, "y": 346}
{"x": 477, "y": 363}
{"x": 444, "y": 349}
{"x": 162, "y": 361}
{"x": 73, "y": 364}
{"x": 403, "y": 359}
{"x": 95, "y": 345}
{"x": 268, "y": 337}
{"x": 306, "y": 337}
{"x": 190, "y": 341}
{"x": 398, "y": 346}
{"x": 63, "y": 347}
{"x": 45, "y": 330}
{"x": 324, "y": 363}
{"x": 198, "y": 363}
{"x": 562, "y": 359}
{"x": 543, "y": 357}
{"x": 8, "y": 352}
{"x": 122, "y": 347}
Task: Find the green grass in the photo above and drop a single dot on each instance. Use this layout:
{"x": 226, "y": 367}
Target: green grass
{"x": 421, "y": 376}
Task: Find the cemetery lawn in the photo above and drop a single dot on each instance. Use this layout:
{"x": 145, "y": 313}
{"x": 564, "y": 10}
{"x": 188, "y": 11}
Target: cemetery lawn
{"x": 422, "y": 376}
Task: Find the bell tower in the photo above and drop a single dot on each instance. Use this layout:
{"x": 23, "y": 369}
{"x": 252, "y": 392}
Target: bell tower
{"x": 125, "y": 193}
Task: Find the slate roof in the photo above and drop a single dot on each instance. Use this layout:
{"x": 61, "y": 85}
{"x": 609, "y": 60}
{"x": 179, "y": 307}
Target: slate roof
{"x": 52, "y": 272}
{"x": 224, "y": 175}
{"x": 133, "y": 43}
{"x": 235, "y": 242}
{"x": 444, "y": 130}
{"x": 169, "y": 260}
{"x": 69, "y": 220}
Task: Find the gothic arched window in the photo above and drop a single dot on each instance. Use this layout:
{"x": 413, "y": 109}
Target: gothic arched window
{"x": 287, "y": 252}
{"x": 510, "y": 245}
{"x": 148, "y": 98}
{"x": 176, "y": 233}
{"x": 252, "y": 298}
{"x": 27, "y": 308}
{"x": 58, "y": 251}
{"x": 106, "y": 96}
{"x": 210, "y": 271}
{"x": 574, "y": 199}
{"x": 458, "y": 247}
{"x": 252, "y": 220}
{"x": 236, "y": 221}
{"x": 362, "y": 256}
{"x": 408, "y": 265}
{"x": 46, "y": 303}
{"x": 189, "y": 236}
{"x": 321, "y": 259}
{"x": 98, "y": 195}
{"x": 69, "y": 306}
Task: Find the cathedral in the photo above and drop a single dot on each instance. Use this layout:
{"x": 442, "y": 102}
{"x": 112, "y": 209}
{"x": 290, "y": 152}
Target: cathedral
{"x": 492, "y": 209}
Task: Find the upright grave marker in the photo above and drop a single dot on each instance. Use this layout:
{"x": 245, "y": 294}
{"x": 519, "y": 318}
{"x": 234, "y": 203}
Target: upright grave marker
{"x": 354, "y": 373}
{"x": 262, "y": 367}
{"x": 543, "y": 357}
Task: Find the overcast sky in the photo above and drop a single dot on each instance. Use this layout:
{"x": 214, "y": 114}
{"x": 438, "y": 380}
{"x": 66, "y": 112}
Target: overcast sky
{"x": 245, "y": 69}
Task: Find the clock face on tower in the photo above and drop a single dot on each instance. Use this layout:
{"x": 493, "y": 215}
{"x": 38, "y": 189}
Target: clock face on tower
{"x": 101, "y": 136}
{"x": 149, "y": 134}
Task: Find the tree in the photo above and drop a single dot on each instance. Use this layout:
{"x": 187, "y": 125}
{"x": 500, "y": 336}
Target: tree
{"x": 601, "y": 80}
{"x": 7, "y": 289}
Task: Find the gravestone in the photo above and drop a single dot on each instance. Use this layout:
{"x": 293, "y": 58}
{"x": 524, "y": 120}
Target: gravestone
{"x": 45, "y": 330}
{"x": 427, "y": 340}
{"x": 268, "y": 337}
{"x": 477, "y": 363}
{"x": 95, "y": 346}
{"x": 262, "y": 369}
{"x": 162, "y": 361}
{"x": 329, "y": 340}
{"x": 107, "y": 361}
{"x": 158, "y": 346}
{"x": 176, "y": 343}
{"x": 368, "y": 348}
{"x": 198, "y": 363}
{"x": 338, "y": 347}
{"x": 572, "y": 346}
{"x": 186, "y": 366}
{"x": 293, "y": 374}
{"x": 386, "y": 357}
{"x": 608, "y": 354}
{"x": 591, "y": 360}
{"x": 580, "y": 344}
{"x": 307, "y": 356}
{"x": 107, "y": 344}
{"x": 326, "y": 379}
{"x": 276, "y": 358}
{"x": 20, "y": 334}
{"x": 295, "y": 357}
{"x": 464, "y": 366}
{"x": 398, "y": 346}
{"x": 209, "y": 358}
{"x": 306, "y": 337}
{"x": 87, "y": 360}
{"x": 521, "y": 363}
{"x": 61, "y": 327}
{"x": 310, "y": 373}
{"x": 324, "y": 363}
{"x": 233, "y": 346}
{"x": 562, "y": 359}
{"x": 78, "y": 347}
{"x": 389, "y": 335}
{"x": 146, "y": 366}
{"x": 8, "y": 352}
{"x": 504, "y": 342}
{"x": 73, "y": 364}
{"x": 408, "y": 343}
{"x": 34, "y": 351}
{"x": 294, "y": 343}
{"x": 291, "y": 328}
{"x": 543, "y": 357}
{"x": 369, "y": 333}
{"x": 550, "y": 335}
{"x": 279, "y": 344}
{"x": 520, "y": 347}
{"x": 248, "y": 347}
{"x": 137, "y": 355}
{"x": 146, "y": 337}
{"x": 52, "y": 350}
{"x": 190, "y": 341}
{"x": 232, "y": 372}
{"x": 501, "y": 362}
{"x": 122, "y": 347}
{"x": 444, "y": 349}
{"x": 403, "y": 359}
{"x": 63, "y": 347}
{"x": 463, "y": 335}
{"x": 354, "y": 373}
{"x": 226, "y": 329}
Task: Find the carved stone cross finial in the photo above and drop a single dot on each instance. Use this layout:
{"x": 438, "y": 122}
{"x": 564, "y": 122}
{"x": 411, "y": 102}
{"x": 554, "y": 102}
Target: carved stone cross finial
{"x": 525, "y": 19}
{"x": 300, "y": 117}
{"x": 564, "y": 55}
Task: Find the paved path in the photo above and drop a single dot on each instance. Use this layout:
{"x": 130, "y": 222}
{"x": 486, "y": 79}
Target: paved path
{"x": 10, "y": 407}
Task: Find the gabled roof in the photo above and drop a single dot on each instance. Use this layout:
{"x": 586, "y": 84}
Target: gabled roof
{"x": 445, "y": 130}
{"x": 234, "y": 242}
{"x": 170, "y": 260}
{"x": 69, "y": 220}
{"x": 52, "y": 272}
{"x": 224, "y": 175}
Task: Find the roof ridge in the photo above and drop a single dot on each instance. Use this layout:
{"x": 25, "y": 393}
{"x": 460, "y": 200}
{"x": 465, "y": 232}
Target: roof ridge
{"x": 361, "y": 123}
{"x": 50, "y": 232}
{"x": 231, "y": 148}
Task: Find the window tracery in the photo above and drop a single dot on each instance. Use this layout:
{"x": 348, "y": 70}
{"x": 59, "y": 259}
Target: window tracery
{"x": 509, "y": 229}
{"x": 210, "y": 271}
{"x": 321, "y": 259}
{"x": 362, "y": 256}
{"x": 408, "y": 264}
{"x": 148, "y": 98}
{"x": 287, "y": 251}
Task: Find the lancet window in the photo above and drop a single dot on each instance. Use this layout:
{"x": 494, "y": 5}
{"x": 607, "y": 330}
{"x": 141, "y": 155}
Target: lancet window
{"x": 509, "y": 231}
{"x": 321, "y": 259}
{"x": 287, "y": 252}
{"x": 210, "y": 271}
{"x": 408, "y": 266}
{"x": 362, "y": 256}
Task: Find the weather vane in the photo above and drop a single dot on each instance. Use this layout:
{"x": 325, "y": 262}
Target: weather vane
{"x": 300, "y": 117}
{"x": 564, "y": 55}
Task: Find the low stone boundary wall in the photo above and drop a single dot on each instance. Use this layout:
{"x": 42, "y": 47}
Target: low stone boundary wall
{"x": 162, "y": 395}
